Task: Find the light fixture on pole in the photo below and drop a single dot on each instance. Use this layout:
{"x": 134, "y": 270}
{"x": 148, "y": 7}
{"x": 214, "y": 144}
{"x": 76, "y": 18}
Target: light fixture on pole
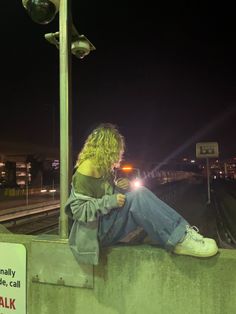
{"x": 80, "y": 45}
{"x": 41, "y": 11}
{"x": 66, "y": 40}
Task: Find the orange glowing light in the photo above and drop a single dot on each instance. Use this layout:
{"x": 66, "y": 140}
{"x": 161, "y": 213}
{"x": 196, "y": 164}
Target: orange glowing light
{"x": 127, "y": 168}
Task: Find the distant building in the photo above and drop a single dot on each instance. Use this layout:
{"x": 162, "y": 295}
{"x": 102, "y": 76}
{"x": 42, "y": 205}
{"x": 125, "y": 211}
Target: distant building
{"x": 22, "y": 164}
{"x": 224, "y": 169}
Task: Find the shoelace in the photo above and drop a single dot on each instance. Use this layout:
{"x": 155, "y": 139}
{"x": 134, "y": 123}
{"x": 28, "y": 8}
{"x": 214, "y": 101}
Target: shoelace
{"x": 193, "y": 232}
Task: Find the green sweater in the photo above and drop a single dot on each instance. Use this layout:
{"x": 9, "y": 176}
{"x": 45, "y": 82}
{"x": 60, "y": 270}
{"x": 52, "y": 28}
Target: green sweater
{"x": 89, "y": 198}
{"x": 90, "y": 186}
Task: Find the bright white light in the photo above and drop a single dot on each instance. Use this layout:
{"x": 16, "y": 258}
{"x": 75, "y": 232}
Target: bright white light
{"x": 136, "y": 183}
{"x": 43, "y": 191}
{"x": 52, "y": 191}
{"x": 192, "y": 161}
{"x": 220, "y": 172}
{"x": 20, "y": 182}
{"x": 21, "y": 174}
{"x": 20, "y": 165}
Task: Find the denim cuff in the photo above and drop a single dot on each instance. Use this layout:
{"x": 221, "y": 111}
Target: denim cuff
{"x": 176, "y": 236}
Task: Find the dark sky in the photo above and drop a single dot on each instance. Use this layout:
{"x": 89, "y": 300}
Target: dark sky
{"x": 164, "y": 75}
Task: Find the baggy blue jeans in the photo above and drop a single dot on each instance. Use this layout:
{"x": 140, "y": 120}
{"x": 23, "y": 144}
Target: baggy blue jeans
{"x": 143, "y": 209}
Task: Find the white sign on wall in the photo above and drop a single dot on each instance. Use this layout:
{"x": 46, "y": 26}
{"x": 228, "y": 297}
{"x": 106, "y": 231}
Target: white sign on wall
{"x": 207, "y": 150}
{"x": 12, "y": 278}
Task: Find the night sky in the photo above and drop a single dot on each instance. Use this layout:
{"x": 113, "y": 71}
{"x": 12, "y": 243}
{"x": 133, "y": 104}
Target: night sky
{"x": 164, "y": 75}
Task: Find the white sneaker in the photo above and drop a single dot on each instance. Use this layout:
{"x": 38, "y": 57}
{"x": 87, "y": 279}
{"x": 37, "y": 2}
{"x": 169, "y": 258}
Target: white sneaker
{"x": 194, "y": 244}
{"x": 194, "y": 231}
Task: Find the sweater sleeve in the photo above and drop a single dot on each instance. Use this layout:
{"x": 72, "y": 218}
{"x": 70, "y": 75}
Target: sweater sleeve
{"x": 88, "y": 210}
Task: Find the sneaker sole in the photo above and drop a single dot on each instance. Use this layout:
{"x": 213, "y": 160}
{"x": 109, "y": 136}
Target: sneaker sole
{"x": 195, "y": 254}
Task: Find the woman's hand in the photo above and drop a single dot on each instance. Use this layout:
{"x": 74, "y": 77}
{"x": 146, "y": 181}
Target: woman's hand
{"x": 120, "y": 200}
{"x": 123, "y": 183}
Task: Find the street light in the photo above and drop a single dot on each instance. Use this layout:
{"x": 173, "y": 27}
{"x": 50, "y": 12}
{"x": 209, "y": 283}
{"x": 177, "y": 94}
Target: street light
{"x": 41, "y": 11}
{"x": 67, "y": 39}
{"x": 80, "y": 45}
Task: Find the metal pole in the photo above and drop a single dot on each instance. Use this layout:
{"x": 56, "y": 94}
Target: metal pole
{"x": 27, "y": 191}
{"x": 65, "y": 25}
{"x": 208, "y": 182}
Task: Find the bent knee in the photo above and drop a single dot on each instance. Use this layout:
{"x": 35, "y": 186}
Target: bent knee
{"x": 142, "y": 190}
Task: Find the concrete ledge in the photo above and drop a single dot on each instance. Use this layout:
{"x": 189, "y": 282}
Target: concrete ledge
{"x": 141, "y": 279}
{"x": 149, "y": 280}
{"x": 52, "y": 262}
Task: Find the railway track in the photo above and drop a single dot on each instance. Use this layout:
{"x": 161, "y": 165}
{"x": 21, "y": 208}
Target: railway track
{"x": 224, "y": 235}
{"x": 38, "y": 225}
{"x": 224, "y": 202}
{"x": 36, "y": 219}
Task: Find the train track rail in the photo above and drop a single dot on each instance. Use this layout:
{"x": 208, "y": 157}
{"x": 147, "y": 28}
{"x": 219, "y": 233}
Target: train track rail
{"x": 42, "y": 225}
{"x": 38, "y": 218}
{"x": 224, "y": 233}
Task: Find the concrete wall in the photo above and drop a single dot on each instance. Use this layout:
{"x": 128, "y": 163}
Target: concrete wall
{"x": 140, "y": 279}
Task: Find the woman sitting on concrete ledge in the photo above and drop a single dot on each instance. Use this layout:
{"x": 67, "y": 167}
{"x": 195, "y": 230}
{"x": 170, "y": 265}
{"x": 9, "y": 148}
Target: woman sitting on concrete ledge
{"x": 104, "y": 211}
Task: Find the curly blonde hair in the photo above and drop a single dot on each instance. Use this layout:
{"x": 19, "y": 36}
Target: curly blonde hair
{"x": 105, "y": 145}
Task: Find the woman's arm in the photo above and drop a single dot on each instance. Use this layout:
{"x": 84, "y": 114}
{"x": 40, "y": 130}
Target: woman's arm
{"x": 87, "y": 210}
